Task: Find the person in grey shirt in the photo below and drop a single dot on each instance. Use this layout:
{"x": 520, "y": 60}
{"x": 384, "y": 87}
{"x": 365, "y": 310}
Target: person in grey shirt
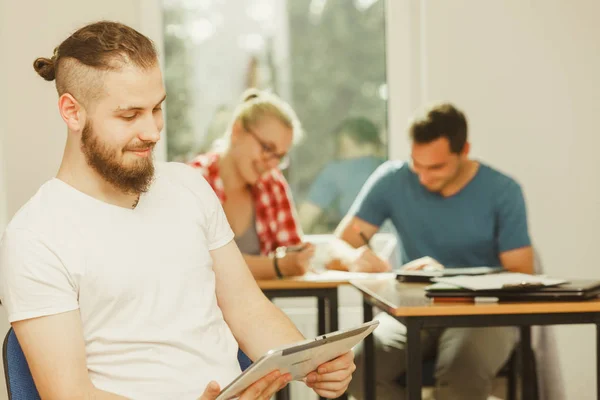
{"x": 450, "y": 211}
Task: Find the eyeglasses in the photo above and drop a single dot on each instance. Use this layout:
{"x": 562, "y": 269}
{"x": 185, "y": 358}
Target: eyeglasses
{"x": 269, "y": 151}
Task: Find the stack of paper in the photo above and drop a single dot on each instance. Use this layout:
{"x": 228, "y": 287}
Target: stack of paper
{"x": 335, "y": 276}
{"x": 451, "y": 271}
{"x": 506, "y": 280}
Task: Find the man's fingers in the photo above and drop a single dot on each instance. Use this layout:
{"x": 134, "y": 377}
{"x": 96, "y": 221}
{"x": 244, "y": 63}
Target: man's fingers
{"x": 211, "y": 392}
{"x": 421, "y": 263}
{"x": 376, "y": 264}
{"x": 368, "y": 261}
{"x": 340, "y": 385}
{"x": 335, "y": 376}
{"x": 414, "y": 267}
{"x": 343, "y": 362}
{"x": 276, "y": 386}
{"x": 255, "y": 390}
{"x": 382, "y": 266}
{"x": 364, "y": 265}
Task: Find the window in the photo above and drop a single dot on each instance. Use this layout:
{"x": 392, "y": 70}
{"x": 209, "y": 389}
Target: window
{"x": 325, "y": 57}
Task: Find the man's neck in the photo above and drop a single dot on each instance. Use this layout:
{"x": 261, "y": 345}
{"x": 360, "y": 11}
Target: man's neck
{"x": 232, "y": 180}
{"x": 466, "y": 173}
{"x": 78, "y": 174}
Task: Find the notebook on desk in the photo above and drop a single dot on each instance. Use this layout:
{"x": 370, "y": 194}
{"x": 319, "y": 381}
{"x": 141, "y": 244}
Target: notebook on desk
{"x": 502, "y": 281}
{"x": 427, "y": 275}
{"x": 570, "y": 291}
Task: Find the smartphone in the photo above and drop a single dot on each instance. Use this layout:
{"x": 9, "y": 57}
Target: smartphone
{"x": 296, "y": 248}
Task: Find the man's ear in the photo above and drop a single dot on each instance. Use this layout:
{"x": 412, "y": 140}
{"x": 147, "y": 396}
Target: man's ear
{"x": 72, "y": 112}
{"x": 466, "y": 149}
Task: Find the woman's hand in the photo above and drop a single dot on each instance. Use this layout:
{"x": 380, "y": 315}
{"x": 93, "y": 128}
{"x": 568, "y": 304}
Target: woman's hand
{"x": 297, "y": 260}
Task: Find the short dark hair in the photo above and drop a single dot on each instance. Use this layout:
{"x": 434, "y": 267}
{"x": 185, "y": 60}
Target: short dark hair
{"x": 441, "y": 120}
{"x": 360, "y": 129}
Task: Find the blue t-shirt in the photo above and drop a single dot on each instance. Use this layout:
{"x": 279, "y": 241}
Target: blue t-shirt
{"x": 471, "y": 228}
{"x": 340, "y": 181}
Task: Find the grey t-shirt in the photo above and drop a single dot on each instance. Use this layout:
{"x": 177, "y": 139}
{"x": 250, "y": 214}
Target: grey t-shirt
{"x": 248, "y": 242}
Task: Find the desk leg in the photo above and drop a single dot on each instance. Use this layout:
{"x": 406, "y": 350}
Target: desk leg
{"x": 283, "y": 394}
{"x": 321, "y": 317}
{"x": 529, "y": 384}
{"x": 332, "y": 306}
{"x": 369, "y": 356}
{"x": 333, "y": 321}
{"x": 598, "y": 360}
{"x": 414, "y": 359}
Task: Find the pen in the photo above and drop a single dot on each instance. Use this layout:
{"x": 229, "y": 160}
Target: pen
{"x": 362, "y": 235}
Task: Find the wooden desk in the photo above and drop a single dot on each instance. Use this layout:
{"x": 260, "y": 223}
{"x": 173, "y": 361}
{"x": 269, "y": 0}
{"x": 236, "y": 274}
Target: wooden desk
{"x": 324, "y": 286}
{"x": 408, "y": 304}
{"x": 326, "y": 293}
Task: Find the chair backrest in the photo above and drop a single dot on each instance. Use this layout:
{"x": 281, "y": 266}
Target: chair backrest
{"x": 243, "y": 360}
{"x": 19, "y": 382}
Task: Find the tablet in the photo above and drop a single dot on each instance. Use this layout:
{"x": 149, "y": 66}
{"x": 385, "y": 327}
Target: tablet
{"x": 299, "y": 359}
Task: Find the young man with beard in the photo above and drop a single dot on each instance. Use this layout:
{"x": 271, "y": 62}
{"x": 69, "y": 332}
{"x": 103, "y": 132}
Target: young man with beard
{"x": 449, "y": 211}
{"x": 115, "y": 273}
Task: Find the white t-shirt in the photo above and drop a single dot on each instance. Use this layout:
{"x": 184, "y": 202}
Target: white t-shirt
{"x": 142, "y": 280}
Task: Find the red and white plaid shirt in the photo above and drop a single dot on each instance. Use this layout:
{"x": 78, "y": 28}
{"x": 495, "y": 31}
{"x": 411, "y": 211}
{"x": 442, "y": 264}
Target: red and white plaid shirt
{"x": 276, "y": 219}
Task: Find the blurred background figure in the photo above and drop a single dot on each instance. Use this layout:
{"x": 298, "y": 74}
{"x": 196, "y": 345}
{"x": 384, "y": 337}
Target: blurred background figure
{"x": 218, "y": 124}
{"x": 245, "y": 172}
{"x": 359, "y": 151}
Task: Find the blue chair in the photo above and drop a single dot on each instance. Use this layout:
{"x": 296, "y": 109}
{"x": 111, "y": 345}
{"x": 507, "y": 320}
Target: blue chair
{"x": 243, "y": 360}
{"x": 19, "y": 382}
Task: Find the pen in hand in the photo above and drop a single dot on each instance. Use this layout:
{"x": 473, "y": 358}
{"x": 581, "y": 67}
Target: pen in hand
{"x": 362, "y": 235}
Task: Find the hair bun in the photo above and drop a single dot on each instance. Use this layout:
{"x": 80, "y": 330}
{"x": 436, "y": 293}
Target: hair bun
{"x": 45, "y": 68}
{"x": 250, "y": 94}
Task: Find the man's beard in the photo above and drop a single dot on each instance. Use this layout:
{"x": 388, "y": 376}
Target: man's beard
{"x": 133, "y": 179}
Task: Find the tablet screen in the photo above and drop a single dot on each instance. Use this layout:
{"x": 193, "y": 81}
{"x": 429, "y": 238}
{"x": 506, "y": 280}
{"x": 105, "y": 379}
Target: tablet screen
{"x": 299, "y": 359}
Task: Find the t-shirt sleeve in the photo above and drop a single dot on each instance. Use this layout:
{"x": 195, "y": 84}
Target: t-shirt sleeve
{"x": 513, "y": 231}
{"x": 322, "y": 192}
{"x": 216, "y": 227}
{"x": 33, "y": 280}
{"x": 371, "y": 204}
{"x": 218, "y": 230}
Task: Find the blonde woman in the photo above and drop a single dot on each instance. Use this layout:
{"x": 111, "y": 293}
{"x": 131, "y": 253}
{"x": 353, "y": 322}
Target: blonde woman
{"x": 245, "y": 172}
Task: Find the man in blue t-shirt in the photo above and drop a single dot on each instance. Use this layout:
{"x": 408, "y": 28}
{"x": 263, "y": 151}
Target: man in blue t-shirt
{"x": 449, "y": 210}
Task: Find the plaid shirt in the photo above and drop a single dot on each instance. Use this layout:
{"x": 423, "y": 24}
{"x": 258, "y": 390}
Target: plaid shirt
{"x": 276, "y": 220}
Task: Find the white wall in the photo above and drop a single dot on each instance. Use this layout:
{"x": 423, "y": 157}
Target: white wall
{"x": 3, "y": 106}
{"x": 527, "y": 74}
{"x": 3, "y": 197}
{"x": 32, "y": 134}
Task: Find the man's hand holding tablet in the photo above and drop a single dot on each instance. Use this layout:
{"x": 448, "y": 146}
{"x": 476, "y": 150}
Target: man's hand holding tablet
{"x": 325, "y": 364}
{"x": 330, "y": 380}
